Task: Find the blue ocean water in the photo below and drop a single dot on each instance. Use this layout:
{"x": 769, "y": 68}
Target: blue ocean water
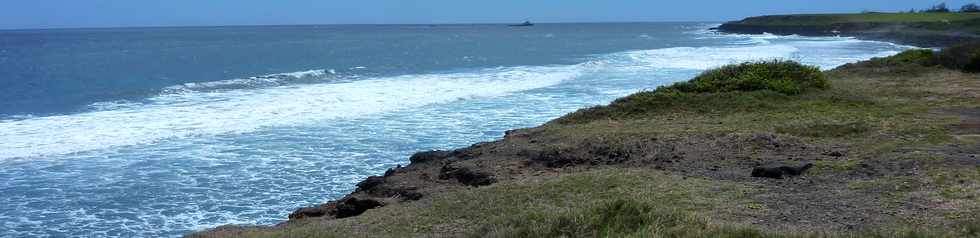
{"x": 149, "y": 132}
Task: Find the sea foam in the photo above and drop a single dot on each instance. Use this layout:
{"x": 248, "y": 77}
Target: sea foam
{"x": 245, "y": 105}
{"x": 181, "y": 115}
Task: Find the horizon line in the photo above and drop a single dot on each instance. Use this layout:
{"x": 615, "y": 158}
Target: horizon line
{"x": 344, "y": 24}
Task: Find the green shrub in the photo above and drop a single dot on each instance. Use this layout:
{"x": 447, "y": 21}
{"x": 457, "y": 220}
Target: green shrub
{"x": 965, "y": 57}
{"x": 973, "y": 65}
{"x": 919, "y": 56}
{"x": 746, "y": 86}
{"x": 783, "y": 76}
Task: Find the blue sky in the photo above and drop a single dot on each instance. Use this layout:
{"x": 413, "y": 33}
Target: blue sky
{"x": 19, "y": 14}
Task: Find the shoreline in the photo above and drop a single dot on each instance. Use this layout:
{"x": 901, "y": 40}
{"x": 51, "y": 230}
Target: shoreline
{"x": 531, "y": 152}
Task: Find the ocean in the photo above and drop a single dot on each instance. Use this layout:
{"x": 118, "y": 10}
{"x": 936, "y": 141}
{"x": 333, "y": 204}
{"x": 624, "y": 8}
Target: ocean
{"x": 156, "y": 132}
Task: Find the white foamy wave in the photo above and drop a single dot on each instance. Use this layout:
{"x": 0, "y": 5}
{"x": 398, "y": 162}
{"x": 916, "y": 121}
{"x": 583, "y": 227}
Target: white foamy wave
{"x": 182, "y": 115}
{"x": 702, "y": 58}
{"x": 251, "y": 82}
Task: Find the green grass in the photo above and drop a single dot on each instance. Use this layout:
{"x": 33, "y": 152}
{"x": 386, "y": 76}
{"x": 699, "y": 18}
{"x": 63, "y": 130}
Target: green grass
{"x": 825, "y": 129}
{"x": 909, "y": 23}
{"x": 599, "y": 203}
{"x": 631, "y": 218}
{"x": 830, "y": 19}
{"x": 964, "y": 57}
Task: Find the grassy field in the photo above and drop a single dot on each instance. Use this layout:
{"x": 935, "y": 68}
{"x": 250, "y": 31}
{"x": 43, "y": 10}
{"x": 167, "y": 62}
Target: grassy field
{"x": 829, "y": 19}
{"x": 895, "y": 144}
{"x": 920, "y": 29}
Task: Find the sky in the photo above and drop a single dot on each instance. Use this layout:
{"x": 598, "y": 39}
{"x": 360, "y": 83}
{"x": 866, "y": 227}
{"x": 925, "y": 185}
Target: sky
{"x": 29, "y": 14}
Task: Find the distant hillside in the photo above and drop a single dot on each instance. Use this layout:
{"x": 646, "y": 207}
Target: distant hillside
{"x": 922, "y": 29}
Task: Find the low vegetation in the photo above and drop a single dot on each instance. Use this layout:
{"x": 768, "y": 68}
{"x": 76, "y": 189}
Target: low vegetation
{"x": 730, "y": 87}
{"x": 831, "y": 19}
{"x": 963, "y": 57}
{"x": 787, "y": 77}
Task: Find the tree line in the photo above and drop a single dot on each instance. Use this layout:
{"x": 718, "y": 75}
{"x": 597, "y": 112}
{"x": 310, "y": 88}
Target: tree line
{"x": 940, "y": 8}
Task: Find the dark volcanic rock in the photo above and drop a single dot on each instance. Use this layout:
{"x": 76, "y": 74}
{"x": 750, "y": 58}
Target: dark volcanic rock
{"x": 466, "y": 176}
{"x": 778, "y": 172}
{"x": 353, "y": 206}
{"x": 376, "y": 186}
{"x": 423, "y": 157}
{"x": 834, "y": 153}
{"x": 370, "y": 182}
{"x": 551, "y": 158}
{"x": 406, "y": 194}
{"x": 347, "y": 207}
{"x": 309, "y": 212}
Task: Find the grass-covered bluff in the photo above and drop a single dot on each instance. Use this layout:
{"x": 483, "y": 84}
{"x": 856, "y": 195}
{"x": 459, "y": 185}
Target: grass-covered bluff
{"x": 894, "y": 142}
{"x": 926, "y": 29}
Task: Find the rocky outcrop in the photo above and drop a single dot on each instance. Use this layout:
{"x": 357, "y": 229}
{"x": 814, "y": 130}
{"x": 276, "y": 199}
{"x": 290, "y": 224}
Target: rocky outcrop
{"x": 347, "y": 207}
{"x": 429, "y": 156}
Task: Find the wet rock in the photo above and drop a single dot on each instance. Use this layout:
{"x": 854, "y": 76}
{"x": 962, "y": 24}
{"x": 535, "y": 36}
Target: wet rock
{"x": 424, "y": 157}
{"x": 466, "y": 176}
{"x": 780, "y": 171}
{"x": 353, "y": 206}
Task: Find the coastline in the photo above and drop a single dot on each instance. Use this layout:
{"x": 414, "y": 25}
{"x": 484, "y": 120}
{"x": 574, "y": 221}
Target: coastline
{"x": 919, "y": 29}
{"x": 613, "y": 149}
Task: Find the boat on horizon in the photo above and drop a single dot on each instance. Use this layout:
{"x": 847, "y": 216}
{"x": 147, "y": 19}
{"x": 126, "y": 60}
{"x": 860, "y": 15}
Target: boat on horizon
{"x": 526, "y": 23}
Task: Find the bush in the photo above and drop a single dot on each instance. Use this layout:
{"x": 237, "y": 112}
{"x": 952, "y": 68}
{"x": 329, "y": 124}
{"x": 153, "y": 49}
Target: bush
{"x": 937, "y": 8}
{"x": 972, "y": 7}
{"x": 739, "y": 87}
{"x": 783, "y": 76}
{"x": 919, "y": 56}
{"x": 965, "y": 57}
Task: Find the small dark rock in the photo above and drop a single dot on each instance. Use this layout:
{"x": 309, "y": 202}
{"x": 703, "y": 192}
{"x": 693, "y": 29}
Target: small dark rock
{"x": 466, "y": 176}
{"x": 423, "y": 157}
{"x": 834, "y": 153}
{"x": 352, "y": 206}
{"x": 392, "y": 171}
{"x": 778, "y": 172}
